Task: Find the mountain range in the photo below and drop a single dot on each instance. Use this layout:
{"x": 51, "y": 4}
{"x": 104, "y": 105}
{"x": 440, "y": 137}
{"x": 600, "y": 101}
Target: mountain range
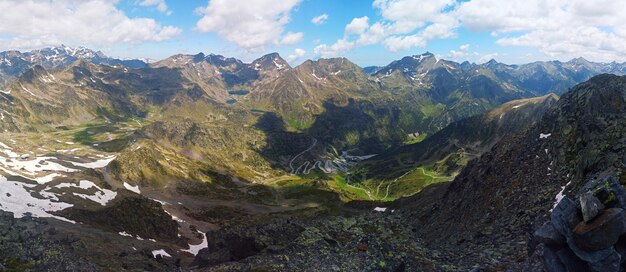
{"x": 207, "y": 162}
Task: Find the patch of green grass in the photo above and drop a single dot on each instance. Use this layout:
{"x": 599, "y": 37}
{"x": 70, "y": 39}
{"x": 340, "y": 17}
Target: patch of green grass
{"x": 87, "y": 135}
{"x": 347, "y": 191}
{"x": 430, "y": 110}
{"x": 409, "y": 184}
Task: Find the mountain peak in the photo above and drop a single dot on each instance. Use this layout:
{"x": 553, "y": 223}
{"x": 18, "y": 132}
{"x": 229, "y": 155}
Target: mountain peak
{"x": 271, "y": 61}
{"x": 580, "y": 61}
{"x": 492, "y": 62}
{"x": 199, "y": 57}
{"x": 222, "y": 61}
{"x": 423, "y": 56}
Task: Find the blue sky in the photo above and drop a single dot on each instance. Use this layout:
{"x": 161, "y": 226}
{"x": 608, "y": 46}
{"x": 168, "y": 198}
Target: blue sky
{"x": 340, "y": 13}
{"x": 368, "y": 32}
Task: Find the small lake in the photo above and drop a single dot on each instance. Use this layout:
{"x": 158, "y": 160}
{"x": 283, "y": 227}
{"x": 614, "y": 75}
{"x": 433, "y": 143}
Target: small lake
{"x": 231, "y": 101}
{"x": 238, "y": 92}
{"x": 257, "y": 111}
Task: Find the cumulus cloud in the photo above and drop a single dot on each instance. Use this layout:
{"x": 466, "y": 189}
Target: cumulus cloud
{"x": 335, "y": 50}
{"x": 297, "y": 53}
{"x": 292, "y": 38}
{"x": 404, "y": 24}
{"x": 249, "y": 24}
{"x": 321, "y": 19}
{"x": 463, "y": 54}
{"x": 83, "y": 22}
{"x": 357, "y": 26}
{"x": 560, "y": 28}
{"x": 159, "y": 4}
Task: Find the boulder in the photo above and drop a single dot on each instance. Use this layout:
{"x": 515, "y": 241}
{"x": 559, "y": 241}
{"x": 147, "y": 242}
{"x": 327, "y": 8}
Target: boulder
{"x": 609, "y": 264}
{"x": 548, "y": 235}
{"x": 563, "y": 215}
{"x": 550, "y": 260}
{"x": 571, "y": 262}
{"x": 590, "y": 206}
{"x": 602, "y": 232}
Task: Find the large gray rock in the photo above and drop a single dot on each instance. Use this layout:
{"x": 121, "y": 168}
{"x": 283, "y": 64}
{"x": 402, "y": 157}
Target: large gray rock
{"x": 571, "y": 262}
{"x": 550, "y": 259}
{"x": 609, "y": 264}
{"x": 548, "y": 235}
{"x": 590, "y": 206}
{"x": 602, "y": 232}
{"x": 562, "y": 216}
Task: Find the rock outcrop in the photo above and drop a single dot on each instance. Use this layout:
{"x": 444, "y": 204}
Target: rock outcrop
{"x": 592, "y": 243}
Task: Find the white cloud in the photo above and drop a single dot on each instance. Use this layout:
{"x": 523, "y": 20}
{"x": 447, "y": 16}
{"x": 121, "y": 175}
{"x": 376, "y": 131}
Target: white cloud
{"x": 249, "y": 24}
{"x": 408, "y": 15}
{"x": 292, "y": 38}
{"x": 34, "y": 24}
{"x": 159, "y": 4}
{"x": 334, "y": 50}
{"x": 461, "y": 54}
{"x": 321, "y": 19}
{"x": 398, "y": 43}
{"x": 357, "y": 26}
{"x": 561, "y": 29}
{"x": 405, "y": 24}
{"x": 297, "y": 53}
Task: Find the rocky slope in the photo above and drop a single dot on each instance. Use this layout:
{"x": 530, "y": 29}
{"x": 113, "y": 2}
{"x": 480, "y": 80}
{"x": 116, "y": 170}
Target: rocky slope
{"x": 491, "y": 217}
{"x": 497, "y": 201}
{"x": 451, "y": 148}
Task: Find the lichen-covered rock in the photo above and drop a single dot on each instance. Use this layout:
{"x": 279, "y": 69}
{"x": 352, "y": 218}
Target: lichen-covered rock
{"x": 590, "y": 206}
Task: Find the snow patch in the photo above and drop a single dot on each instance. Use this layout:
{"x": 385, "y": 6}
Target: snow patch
{"x": 316, "y": 77}
{"x": 559, "y": 196}
{"x": 48, "y": 178}
{"x": 132, "y": 188}
{"x": 96, "y": 164}
{"x": 544, "y": 136}
{"x": 160, "y": 252}
{"x": 194, "y": 249}
{"x": 278, "y": 66}
{"x": 15, "y": 198}
{"x": 379, "y": 209}
{"x": 31, "y": 167}
{"x": 102, "y": 196}
{"x": 27, "y": 90}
